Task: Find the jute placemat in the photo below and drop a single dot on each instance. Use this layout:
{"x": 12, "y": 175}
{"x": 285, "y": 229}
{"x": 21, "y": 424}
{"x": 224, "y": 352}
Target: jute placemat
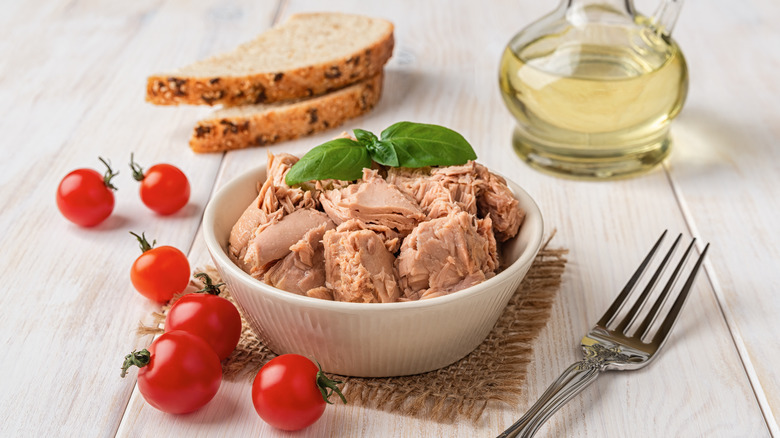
{"x": 493, "y": 373}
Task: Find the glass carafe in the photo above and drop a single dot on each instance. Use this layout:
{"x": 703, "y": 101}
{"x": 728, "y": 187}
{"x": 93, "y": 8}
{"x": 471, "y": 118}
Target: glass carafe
{"x": 594, "y": 87}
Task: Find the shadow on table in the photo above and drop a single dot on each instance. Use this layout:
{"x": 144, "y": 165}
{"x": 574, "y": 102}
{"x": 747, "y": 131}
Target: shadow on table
{"x": 224, "y": 409}
{"x": 707, "y": 142}
{"x": 189, "y": 210}
{"x": 114, "y": 222}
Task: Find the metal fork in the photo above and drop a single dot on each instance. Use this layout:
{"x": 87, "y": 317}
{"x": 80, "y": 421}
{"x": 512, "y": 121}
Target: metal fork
{"x": 614, "y": 349}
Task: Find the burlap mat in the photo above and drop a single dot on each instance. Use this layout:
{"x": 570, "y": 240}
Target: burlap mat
{"x": 493, "y": 373}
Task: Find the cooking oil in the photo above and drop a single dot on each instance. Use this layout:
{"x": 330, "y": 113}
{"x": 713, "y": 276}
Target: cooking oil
{"x": 594, "y": 110}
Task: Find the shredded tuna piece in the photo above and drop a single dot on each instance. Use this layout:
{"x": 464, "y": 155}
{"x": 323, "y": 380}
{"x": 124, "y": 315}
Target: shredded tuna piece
{"x": 408, "y": 180}
{"x": 273, "y": 242}
{"x": 252, "y": 221}
{"x": 244, "y": 229}
{"x": 445, "y": 255}
{"x": 275, "y": 194}
{"x": 359, "y": 268}
{"x": 439, "y": 190}
{"x": 390, "y": 237}
{"x": 373, "y": 201}
{"x": 496, "y": 200}
{"x": 322, "y": 293}
{"x": 303, "y": 269}
{"x": 274, "y": 200}
{"x": 462, "y": 184}
{"x": 470, "y": 187}
{"x": 434, "y": 199}
{"x": 317, "y": 187}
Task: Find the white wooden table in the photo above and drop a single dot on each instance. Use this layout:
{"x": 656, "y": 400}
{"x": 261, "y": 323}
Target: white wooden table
{"x": 72, "y": 75}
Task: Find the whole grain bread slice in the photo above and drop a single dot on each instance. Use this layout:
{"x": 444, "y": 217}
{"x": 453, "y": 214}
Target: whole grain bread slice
{"x": 257, "y": 125}
{"x": 308, "y": 55}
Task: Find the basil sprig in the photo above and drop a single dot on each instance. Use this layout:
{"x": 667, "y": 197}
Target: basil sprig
{"x": 342, "y": 159}
{"x": 405, "y": 144}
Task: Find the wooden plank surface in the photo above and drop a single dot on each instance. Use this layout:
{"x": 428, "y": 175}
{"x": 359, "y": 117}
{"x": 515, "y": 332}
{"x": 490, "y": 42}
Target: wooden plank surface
{"x": 70, "y": 313}
{"x": 73, "y": 79}
{"x": 421, "y": 82}
{"x": 728, "y": 174}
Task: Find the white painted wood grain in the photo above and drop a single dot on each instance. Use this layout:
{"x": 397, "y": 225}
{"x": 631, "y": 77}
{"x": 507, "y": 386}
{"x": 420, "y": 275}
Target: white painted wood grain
{"x": 597, "y": 221}
{"x": 70, "y": 299}
{"x": 727, "y": 171}
{"x": 72, "y": 80}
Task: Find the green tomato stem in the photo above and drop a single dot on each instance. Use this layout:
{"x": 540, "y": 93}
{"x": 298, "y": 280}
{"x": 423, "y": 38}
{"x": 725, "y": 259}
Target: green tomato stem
{"x": 138, "y": 171}
{"x": 145, "y": 246}
{"x": 108, "y": 175}
{"x": 209, "y": 287}
{"x": 328, "y": 386}
{"x": 136, "y": 358}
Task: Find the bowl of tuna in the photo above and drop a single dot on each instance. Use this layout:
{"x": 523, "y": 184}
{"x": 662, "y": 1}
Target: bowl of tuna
{"x": 401, "y": 271}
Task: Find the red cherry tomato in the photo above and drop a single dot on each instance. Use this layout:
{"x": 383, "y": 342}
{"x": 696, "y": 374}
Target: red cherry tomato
{"x": 212, "y": 318}
{"x": 164, "y": 188}
{"x": 179, "y": 373}
{"x": 85, "y": 197}
{"x": 290, "y": 392}
{"x": 159, "y": 273}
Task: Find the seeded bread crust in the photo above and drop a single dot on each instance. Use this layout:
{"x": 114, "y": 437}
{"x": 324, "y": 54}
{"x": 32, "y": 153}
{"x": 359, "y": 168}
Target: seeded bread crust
{"x": 272, "y": 86}
{"x": 259, "y": 125}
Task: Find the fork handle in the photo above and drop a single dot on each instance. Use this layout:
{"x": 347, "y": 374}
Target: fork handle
{"x": 570, "y": 383}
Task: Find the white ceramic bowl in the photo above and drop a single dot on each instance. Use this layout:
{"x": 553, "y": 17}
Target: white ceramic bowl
{"x": 368, "y": 339}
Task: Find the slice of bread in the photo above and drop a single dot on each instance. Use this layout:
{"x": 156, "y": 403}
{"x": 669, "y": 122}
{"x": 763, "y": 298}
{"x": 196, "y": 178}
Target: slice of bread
{"x": 257, "y": 125}
{"x": 308, "y": 55}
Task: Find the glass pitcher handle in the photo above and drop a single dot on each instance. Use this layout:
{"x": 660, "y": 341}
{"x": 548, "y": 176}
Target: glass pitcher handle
{"x": 666, "y": 15}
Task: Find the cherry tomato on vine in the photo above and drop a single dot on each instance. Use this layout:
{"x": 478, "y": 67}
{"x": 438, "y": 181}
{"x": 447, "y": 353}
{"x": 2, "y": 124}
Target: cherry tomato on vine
{"x": 159, "y": 273}
{"x": 290, "y": 392}
{"x": 179, "y": 373}
{"x": 164, "y": 188}
{"x": 85, "y": 197}
{"x": 208, "y": 316}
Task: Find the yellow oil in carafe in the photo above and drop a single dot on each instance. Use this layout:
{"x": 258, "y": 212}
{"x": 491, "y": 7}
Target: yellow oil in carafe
{"x": 609, "y": 105}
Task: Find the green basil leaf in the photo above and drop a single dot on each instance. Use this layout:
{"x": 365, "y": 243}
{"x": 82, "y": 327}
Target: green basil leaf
{"x": 366, "y": 138}
{"x": 383, "y": 152}
{"x": 342, "y": 159}
{"x": 420, "y": 145}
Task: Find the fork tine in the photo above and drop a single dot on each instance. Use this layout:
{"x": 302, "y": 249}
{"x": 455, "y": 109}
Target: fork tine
{"x": 614, "y": 308}
{"x": 640, "y": 302}
{"x": 674, "y": 312}
{"x": 643, "y": 328}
